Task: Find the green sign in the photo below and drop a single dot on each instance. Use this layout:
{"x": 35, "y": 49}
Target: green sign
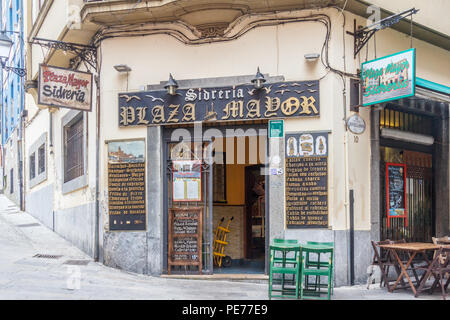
{"x": 276, "y": 128}
{"x": 389, "y": 78}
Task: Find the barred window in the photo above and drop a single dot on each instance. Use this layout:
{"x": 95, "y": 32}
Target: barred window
{"x": 32, "y": 166}
{"x": 41, "y": 159}
{"x": 73, "y": 150}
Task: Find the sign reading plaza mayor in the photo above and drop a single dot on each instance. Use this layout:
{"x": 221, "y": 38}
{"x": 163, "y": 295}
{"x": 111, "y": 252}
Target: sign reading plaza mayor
{"x": 389, "y": 78}
{"x": 65, "y": 88}
{"x": 240, "y": 102}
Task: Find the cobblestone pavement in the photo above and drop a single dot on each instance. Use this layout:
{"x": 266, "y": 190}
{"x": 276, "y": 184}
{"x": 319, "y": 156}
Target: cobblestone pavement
{"x": 23, "y": 276}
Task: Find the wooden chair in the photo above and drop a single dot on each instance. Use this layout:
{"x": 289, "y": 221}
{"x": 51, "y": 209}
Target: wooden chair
{"x": 439, "y": 270}
{"x": 382, "y": 259}
{"x": 405, "y": 258}
{"x": 281, "y": 268}
{"x": 438, "y": 241}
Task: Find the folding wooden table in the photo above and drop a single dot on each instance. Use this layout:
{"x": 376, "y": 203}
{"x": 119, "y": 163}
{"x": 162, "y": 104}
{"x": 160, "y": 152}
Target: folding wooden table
{"x": 413, "y": 248}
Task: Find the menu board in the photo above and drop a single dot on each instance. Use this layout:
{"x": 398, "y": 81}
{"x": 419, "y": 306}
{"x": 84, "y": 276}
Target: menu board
{"x": 185, "y": 237}
{"x": 306, "y": 182}
{"x": 126, "y": 185}
{"x": 187, "y": 180}
{"x": 396, "y": 191}
{"x": 126, "y": 190}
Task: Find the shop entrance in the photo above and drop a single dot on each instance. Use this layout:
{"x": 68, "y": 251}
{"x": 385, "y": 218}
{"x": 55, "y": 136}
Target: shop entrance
{"x": 221, "y": 173}
{"x": 418, "y": 160}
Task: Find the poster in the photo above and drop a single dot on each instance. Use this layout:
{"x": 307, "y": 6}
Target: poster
{"x": 187, "y": 180}
{"x": 306, "y": 184}
{"x": 126, "y": 185}
{"x": 396, "y": 191}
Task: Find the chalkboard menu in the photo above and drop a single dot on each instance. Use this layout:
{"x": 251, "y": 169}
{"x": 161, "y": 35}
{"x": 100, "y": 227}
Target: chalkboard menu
{"x": 396, "y": 191}
{"x": 126, "y": 185}
{"x": 185, "y": 237}
{"x": 306, "y": 182}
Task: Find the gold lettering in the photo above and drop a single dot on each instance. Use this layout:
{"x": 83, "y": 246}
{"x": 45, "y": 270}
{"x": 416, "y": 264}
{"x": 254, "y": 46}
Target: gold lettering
{"x": 158, "y": 114}
{"x": 142, "y": 111}
{"x": 127, "y": 115}
{"x": 189, "y": 112}
{"x": 234, "y": 109}
{"x": 272, "y": 106}
{"x": 173, "y": 113}
{"x": 253, "y": 109}
{"x": 290, "y": 106}
{"x": 308, "y": 103}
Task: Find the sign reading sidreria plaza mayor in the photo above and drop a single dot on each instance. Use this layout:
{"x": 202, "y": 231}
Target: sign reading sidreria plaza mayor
{"x": 389, "y": 78}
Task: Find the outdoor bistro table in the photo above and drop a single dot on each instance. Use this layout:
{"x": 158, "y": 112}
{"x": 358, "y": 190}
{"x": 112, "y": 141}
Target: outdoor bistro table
{"x": 413, "y": 248}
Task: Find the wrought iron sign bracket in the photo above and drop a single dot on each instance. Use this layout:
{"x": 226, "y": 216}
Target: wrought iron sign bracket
{"x": 362, "y": 35}
{"x": 83, "y": 52}
{"x": 19, "y": 71}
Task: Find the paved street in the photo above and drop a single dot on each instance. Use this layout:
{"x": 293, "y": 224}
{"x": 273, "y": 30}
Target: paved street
{"x": 23, "y": 276}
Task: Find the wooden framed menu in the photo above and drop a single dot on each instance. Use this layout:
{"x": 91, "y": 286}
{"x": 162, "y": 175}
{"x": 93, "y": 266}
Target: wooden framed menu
{"x": 185, "y": 237}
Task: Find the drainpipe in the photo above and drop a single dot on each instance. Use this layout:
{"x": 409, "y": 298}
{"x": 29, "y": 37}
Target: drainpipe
{"x": 352, "y": 239}
{"x": 97, "y": 169}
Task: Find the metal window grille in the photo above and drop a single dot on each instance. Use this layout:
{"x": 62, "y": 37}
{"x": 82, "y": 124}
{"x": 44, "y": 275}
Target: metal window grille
{"x": 41, "y": 159}
{"x": 406, "y": 121}
{"x": 32, "y": 166}
{"x": 73, "y": 150}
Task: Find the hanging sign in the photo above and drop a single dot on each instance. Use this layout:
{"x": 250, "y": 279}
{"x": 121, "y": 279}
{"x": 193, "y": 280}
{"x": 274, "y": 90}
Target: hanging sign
{"x": 306, "y": 172}
{"x": 185, "y": 238}
{"x": 65, "y": 88}
{"x": 235, "y": 103}
{"x": 187, "y": 180}
{"x": 396, "y": 191}
{"x": 389, "y": 78}
{"x": 126, "y": 185}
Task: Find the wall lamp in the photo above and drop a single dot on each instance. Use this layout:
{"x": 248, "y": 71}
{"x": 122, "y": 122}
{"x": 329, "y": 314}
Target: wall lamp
{"x": 171, "y": 86}
{"x": 258, "y": 80}
{"x": 5, "y": 49}
{"x": 312, "y": 56}
{"x": 122, "y": 68}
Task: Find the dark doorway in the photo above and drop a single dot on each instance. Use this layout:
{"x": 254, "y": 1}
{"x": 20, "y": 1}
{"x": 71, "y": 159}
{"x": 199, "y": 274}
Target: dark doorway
{"x": 255, "y": 212}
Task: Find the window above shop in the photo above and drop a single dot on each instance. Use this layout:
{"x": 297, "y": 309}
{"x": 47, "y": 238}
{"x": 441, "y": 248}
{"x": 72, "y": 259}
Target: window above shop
{"x": 406, "y": 121}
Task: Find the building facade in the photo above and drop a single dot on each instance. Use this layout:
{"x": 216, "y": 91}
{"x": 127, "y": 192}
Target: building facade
{"x": 120, "y": 177}
{"x": 13, "y": 101}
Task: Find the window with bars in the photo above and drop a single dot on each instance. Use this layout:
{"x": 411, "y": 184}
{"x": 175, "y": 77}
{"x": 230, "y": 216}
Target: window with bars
{"x": 37, "y": 160}
{"x": 32, "y": 166}
{"x": 41, "y": 159}
{"x": 406, "y": 121}
{"x": 73, "y": 149}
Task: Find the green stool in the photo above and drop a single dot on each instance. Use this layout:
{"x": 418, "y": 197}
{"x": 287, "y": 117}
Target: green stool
{"x": 318, "y": 264}
{"x": 281, "y": 266}
{"x": 318, "y": 269}
{"x": 287, "y": 258}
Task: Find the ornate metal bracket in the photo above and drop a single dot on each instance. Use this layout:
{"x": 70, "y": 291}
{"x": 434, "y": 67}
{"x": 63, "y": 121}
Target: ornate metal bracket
{"x": 82, "y": 52}
{"x": 362, "y": 35}
{"x": 19, "y": 71}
